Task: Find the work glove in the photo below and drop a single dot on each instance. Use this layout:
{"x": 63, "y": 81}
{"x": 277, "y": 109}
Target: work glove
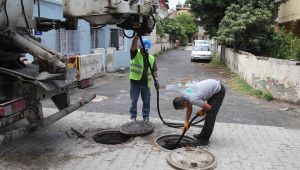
{"x": 186, "y": 126}
{"x": 200, "y": 113}
{"x": 156, "y": 83}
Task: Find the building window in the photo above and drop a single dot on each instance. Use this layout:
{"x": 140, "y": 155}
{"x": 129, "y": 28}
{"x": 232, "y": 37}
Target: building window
{"x": 117, "y": 39}
{"x": 67, "y": 42}
{"x": 97, "y": 38}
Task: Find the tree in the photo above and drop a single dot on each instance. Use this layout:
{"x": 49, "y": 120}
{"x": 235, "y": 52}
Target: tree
{"x": 182, "y": 28}
{"x": 175, "y": 30}
{"x": 211, "y": 12}
{"x": 248, "y": 26}
{"x": 188, "y": 22}
{"x": 245, "y": 28}
{"x": 160, "y": 29}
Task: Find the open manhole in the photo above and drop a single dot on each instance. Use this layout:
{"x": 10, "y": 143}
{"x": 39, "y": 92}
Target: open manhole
{"x": 169, "y": 141}
{"x": 110, "y": 137}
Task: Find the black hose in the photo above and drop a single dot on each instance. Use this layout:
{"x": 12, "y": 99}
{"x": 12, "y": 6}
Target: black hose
{"x": 154, "y": 21}
{"x": 23, "y": 11}
{"x": 170, "y": 124}
{"x": 6, "y": 15}
{"x": 127, "y": 35}
{"x": 183, "y": 133}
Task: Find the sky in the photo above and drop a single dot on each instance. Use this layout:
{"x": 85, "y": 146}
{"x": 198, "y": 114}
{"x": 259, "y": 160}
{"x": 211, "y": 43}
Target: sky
{"x": 173, "y": 3}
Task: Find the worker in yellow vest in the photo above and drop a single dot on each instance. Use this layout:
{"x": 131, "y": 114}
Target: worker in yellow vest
{"x": 141, "y": 77}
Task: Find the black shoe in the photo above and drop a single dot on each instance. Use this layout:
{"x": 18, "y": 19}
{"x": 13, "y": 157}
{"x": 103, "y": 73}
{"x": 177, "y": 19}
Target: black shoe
{"x": 200, "y": 142}
{"x": 196, "y": 136}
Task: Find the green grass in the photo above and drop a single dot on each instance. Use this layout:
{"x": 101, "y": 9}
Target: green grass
{"x": 239, "y": 84}
{"x": 219, "y": 63}
{"x": 242, "y": 86}
{"x": 160, "y": 53}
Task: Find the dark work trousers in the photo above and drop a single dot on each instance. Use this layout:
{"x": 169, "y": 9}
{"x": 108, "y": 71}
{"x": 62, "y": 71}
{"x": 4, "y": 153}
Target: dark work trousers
{"x": 135, "y": 91}
{"x": 215, "y": 101}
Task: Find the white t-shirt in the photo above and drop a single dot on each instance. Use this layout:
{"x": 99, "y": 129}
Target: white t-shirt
{"x": 199, "y": 92}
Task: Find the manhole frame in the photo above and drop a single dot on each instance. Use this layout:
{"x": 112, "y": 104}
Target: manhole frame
{"x": 185, "y": 136}
{"x": 130, "y": 138}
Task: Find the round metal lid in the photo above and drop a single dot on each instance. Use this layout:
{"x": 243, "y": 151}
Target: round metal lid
{"x": 137, "y": 128}
{"x": 192, "y": 158}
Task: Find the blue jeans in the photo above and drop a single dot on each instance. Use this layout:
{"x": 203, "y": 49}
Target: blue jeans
{"x": 135, "y": 91}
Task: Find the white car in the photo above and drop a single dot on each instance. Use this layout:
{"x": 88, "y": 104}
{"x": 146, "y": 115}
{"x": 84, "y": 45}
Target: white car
{"x": 201, "y": 52}
{"x": 199, "y": 42}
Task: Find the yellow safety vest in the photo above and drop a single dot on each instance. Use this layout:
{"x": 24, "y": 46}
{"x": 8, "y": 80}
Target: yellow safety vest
{"x": 137, "y": 67}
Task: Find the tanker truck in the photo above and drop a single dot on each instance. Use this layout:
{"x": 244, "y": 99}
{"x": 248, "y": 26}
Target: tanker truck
{"x": 23, "y": 86}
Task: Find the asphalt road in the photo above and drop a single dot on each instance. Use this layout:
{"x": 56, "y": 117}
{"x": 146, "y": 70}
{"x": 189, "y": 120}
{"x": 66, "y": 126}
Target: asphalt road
{"x": 236, "y": 146}
{"x": 175, "y": 69}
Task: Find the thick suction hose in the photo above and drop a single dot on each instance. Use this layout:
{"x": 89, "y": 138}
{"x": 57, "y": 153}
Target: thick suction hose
{"x": 170, "y": 124}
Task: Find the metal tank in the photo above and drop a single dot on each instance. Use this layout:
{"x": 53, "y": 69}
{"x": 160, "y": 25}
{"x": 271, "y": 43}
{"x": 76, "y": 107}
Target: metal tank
{"x": 23, "y": 86}
{"x": 12, "y": 14}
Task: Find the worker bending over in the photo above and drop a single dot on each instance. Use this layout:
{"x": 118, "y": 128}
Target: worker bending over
{"x": 207, "y": 94}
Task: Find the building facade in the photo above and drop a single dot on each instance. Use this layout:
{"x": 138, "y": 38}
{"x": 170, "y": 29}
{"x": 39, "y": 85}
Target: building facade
{"x": 66, "y": 42}
{"x": 289, "y": 16}
{"x": 182, "y": 8}
{"x": 163, "y": 8}
{"x": 84, "y": 39}
{"x": 112, "y": 36}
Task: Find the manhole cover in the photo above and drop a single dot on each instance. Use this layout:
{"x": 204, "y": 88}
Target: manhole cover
{"x": 111, "y": 137}
{"x": 169, "y": 141}
{"x": 192, "y": 158}
{"x": 137, "y": 128}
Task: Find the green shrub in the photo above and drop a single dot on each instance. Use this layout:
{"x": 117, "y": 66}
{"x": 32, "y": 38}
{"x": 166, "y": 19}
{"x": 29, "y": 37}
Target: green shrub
{"x": 250, "y": 27}
{"x": 268, "y": 96}
{"x": 285, "y": 46}
{"x": 258, "y": 93}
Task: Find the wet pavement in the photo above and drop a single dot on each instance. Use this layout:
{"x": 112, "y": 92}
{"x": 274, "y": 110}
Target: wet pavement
{"x": 175, "y": 70}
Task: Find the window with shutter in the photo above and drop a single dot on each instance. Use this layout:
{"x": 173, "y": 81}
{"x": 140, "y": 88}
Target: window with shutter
{"x": 117, "y": 39}
{"x": 97, "y": 38}
{"x": 67, "y": 42}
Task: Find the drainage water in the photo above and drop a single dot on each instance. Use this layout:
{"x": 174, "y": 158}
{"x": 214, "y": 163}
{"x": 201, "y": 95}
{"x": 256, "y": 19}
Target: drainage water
{"x": 169, "y": 142}
{"x": 111, "y": 137}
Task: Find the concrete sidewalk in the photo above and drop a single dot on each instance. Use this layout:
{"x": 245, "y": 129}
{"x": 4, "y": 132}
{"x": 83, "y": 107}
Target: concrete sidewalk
{"x": 235, "y": 146}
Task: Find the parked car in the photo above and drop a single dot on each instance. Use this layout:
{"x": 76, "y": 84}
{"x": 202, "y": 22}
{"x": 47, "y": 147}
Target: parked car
{"x": 201, "y": 52}
{"x": 199, "y": 42}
